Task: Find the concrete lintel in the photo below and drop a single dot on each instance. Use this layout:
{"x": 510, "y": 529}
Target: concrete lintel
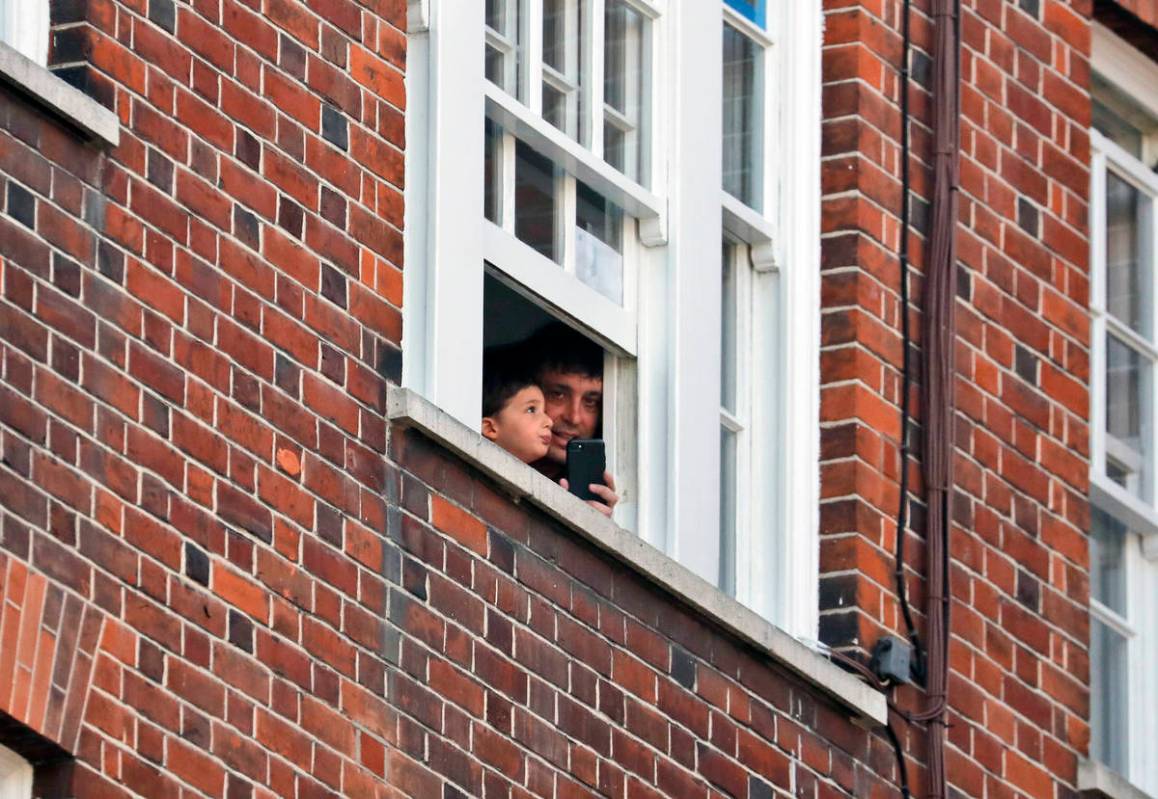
{"x": 1099, "y": 780}
{"x": 407, "y": 408}
{"x": 66, "y": 101}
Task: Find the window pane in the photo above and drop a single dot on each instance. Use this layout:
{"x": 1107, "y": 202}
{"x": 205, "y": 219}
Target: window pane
{"x": 497, "y": 14}
{"x": 614, "y": 146}
{"x": 503, "y": 51}
{"x": 1128, "y": 275}
{"x": 1117, "y": 473}
{"x": 1107, "y": 565}
{"x": 599, "y": 243}
{"x": 623, "y": 87}
{"x": 728, "y": 453}
{"x": 492, "y": 171}
{"x": 1109, "y": 696}
{"x": 562, "y": 48}
{"x": 560, "y": 33}
{"x": 1128, "y": 403}
{"x": 728, "y": 366}
{"x": 557, "y": 109}
{"x": 754, "y": 10}
{"x": 1117, "y": 129}
{"x": 741, "y": 134}
{"x": 535, "y": 201}
{"x": 1122, "y": 119}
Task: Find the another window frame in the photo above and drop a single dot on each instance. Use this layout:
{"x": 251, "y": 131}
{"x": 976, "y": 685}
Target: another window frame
{"x": 779, "y": 528}
{"x": 1136, "y": 76}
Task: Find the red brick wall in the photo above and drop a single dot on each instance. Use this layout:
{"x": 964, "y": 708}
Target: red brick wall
{"x": 1019, "y": 666}
{"x": 531, "y": 664}
{"x": 196, "y": 330}
{"x": 218, "y": 578}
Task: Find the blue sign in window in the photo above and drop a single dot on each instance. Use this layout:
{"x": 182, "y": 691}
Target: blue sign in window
{"x": 754, "y": 10}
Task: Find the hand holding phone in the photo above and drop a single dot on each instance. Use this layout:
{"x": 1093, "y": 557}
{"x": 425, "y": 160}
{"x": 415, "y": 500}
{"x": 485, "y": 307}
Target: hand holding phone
{"x": 586, "y": 462}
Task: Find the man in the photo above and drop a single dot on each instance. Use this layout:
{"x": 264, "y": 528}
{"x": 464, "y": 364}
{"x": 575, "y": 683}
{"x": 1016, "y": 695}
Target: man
{"x": 569, "y": 369}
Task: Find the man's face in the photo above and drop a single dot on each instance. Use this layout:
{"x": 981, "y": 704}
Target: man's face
{"x": 574, "y": 403}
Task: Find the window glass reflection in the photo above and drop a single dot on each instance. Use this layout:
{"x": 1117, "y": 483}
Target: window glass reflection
{"x": 623, "y": 58}
{"x": 741, "y": 134}
{"x": 728, "y": 455}
{"x": 1128, "y": 276}
{"x": 599, "y": 243}
{"x": 503, "y": 48}
{"x": 535, "y": 215}
{"x": 1109, "y": 689}
{"x": 562, "y": 50}
{"x": 1128, "y": 413}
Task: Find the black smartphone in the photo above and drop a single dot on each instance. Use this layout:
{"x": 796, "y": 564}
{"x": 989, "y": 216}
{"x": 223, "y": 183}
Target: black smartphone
{"x": 586, "y": 462}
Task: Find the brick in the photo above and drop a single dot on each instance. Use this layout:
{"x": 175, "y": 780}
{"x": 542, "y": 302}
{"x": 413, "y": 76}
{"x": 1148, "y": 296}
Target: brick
{"x": 238, "y": 508}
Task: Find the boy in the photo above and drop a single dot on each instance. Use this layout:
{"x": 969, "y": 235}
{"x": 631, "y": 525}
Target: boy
{"x": 514, "y": 414}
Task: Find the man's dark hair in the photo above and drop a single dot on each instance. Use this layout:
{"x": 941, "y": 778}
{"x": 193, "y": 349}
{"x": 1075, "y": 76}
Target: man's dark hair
{"x": 506, "y": 371}
{"x": 559, "y": 348}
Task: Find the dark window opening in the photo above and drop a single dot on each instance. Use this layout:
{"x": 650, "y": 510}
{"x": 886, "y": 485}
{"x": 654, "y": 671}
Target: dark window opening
{"x": 521, "y": 336}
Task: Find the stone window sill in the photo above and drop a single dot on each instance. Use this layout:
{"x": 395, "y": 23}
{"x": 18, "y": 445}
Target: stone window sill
{"x": 52, "y": 93}
{"x": 405, "y": 407}
{"x": 1099, "y": 780}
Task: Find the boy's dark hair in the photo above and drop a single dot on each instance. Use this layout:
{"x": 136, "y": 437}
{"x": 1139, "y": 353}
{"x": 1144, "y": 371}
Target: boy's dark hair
{"x": 506, "y": 371}
{"x": 559, "y": 348}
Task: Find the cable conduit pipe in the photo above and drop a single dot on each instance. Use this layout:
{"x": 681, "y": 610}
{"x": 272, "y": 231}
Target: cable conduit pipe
{"x": 938, "y": 400}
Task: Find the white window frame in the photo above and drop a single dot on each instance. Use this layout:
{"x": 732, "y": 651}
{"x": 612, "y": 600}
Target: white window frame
{"x": 510, "y": 47}
{"x": 778, "y": 527}
{"x": 1106, "y": 155}
{"x": 765, "y": 88}
{"x": 664, "y": 397}
{"x": 587, "y": 89}
{"x": 1136, "y": 75}
{"x": 15, "y": 775}
{"x": 24, "y": 27}
{"x": 638, "y": 159}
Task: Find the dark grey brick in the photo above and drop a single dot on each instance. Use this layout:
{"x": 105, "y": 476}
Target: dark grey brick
{"x": 334, "y": 127}
{"x": 240, "y": 631}
{"x": 196, "y": 564}
{"x": 246, "y": 227}
{"x": 758, "y": 789}
{"x": 333, "y": 285}
{"x": 248, "y": 150}
{"x": 683, "y": 668}
{"x": 1028, "y": 217}
{"x": 21, "y": 204}
{"x": 290, "y": 217}
{"x": 163, "y": 13}
{"x": 160, "y": 171}
{"x": 1025, "y": 364}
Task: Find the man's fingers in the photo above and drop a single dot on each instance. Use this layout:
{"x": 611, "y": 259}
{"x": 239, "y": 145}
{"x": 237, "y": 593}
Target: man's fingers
{"x": 608, "y": 499}
{"x": 599, "y": 506}
{"x": 605, "y": 493}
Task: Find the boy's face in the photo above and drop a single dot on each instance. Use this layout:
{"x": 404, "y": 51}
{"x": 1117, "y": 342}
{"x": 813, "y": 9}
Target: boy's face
{"x": 522, "y": 426}
{"x": 574, "y": 402}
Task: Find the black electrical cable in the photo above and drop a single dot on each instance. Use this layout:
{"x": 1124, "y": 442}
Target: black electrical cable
{"x": 902, "y": 767}
{"x": 872, "y": 679}
{"x": 906, "y": 345}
